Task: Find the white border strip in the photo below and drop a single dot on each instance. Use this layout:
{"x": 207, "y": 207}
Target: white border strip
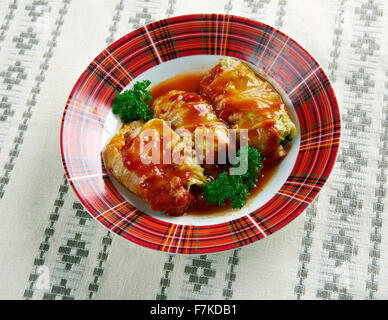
{"x": 256, "y": 225}
{"x": 304, "y": 80}
{"x": 153, "y": 45}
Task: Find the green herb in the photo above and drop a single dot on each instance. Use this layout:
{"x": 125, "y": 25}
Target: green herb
{"x": 132, "y": 105}
{"x": 255, "y": 164}
{"x": 234, "y": 188}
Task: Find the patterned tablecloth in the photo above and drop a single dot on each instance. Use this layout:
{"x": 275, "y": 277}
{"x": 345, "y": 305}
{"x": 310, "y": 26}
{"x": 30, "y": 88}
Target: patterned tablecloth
{"x": 50, "y": 248}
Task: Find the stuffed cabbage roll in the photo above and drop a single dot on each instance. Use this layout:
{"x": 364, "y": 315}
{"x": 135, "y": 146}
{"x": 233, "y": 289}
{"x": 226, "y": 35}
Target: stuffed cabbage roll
{"x": 164, "y": 184}
{"x": 246, "y": 101}
{"x": 190, "y": 111}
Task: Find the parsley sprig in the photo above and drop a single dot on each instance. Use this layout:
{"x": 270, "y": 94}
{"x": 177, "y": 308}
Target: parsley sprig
{"x": 234, "y": 188}
{"x": 132, "y": 105}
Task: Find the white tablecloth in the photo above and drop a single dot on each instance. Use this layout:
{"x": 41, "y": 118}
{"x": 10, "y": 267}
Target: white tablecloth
{"x": 50, "y": 248}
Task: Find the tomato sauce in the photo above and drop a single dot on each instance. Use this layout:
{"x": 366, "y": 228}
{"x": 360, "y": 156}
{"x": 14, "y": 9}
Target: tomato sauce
{"x": 191, "y": 82}
{"x": 246, "y": 101}
{"x": 186, "y": 82}
{"x": 162, "y": 184}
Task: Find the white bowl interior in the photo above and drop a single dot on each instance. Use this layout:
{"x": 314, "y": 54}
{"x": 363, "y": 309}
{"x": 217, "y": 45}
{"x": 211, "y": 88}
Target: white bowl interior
{"x": 201, "y": 63}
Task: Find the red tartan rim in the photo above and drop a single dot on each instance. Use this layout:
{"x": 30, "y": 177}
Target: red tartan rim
{"x": 271, "y": 51}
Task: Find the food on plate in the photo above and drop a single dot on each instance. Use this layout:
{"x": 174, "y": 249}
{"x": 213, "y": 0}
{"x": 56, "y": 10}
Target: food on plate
{"x": 245, "y": 101}
{"x": 165, "y": 186}
{"x": 234, "y": 188}
{"x": 188, "y": 110}
{"x": 169, "y": 118}
{"x": 132, "y": 105}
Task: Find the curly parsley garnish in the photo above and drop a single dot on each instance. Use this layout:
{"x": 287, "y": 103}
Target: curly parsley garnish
{"x": 234, "y": 188}
{"x": 132, "y": 105}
